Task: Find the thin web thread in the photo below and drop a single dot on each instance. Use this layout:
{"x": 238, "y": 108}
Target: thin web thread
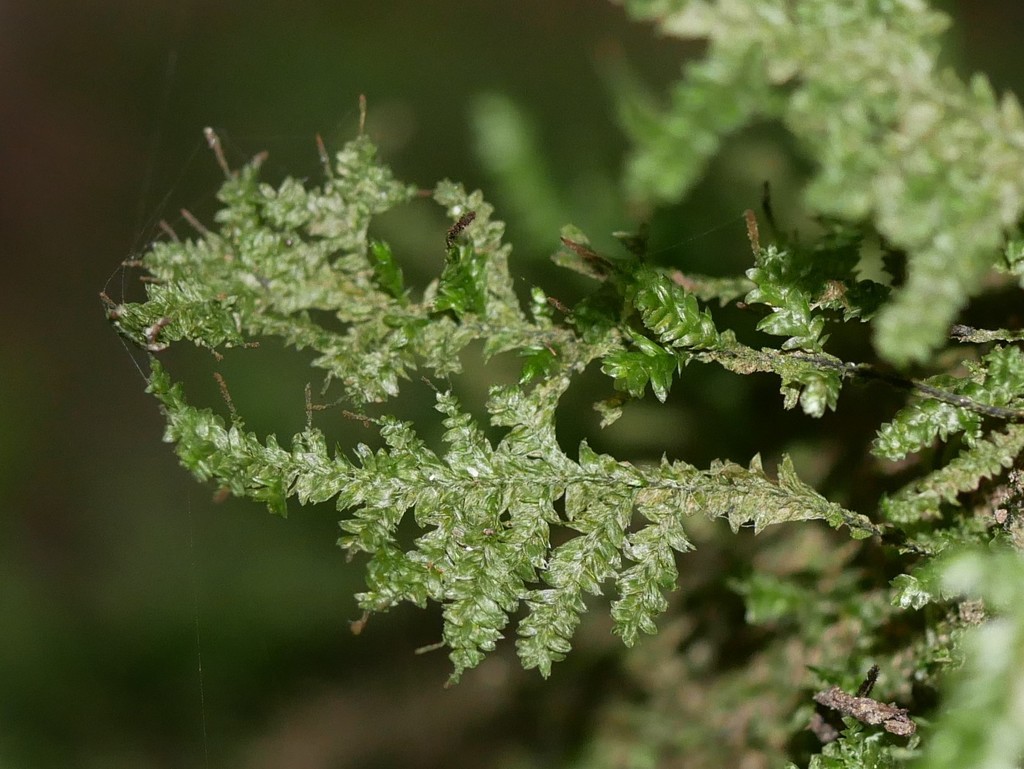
{"x": 143, "y": 225}
{"x": 199, "y": 641}
{"x": 156, "y": 137}
{"x": 155, "y": 144}
{"x": 725, "y": 223}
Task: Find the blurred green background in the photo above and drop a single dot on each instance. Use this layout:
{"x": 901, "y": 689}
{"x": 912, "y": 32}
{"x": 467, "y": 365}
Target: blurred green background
{"x": 122, "y": 584}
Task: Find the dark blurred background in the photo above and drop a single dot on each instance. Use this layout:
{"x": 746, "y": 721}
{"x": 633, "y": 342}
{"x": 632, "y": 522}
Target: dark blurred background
{"x": 141, "y": 624}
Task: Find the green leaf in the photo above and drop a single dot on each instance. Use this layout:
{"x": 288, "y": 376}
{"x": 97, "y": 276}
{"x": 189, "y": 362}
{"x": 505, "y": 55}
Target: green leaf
{"x": 463, "y": 286}
{"x": 634, "y": 370}
{"x": 791, "y": 307}
{"x": 672, "y": 314}
{"x": 387, "y": 271}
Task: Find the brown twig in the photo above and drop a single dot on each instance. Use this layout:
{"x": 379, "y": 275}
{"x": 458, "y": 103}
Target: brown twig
{"x": 893, "y": 719}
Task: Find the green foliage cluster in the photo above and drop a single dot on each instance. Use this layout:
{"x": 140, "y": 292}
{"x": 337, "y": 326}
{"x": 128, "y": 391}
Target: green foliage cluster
{"x": 486, "y": 510}
{"x": 508, "y": 530}
{"x": 931, "y": 162}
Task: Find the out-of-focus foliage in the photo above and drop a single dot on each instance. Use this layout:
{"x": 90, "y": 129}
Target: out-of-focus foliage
{"x": 932, "y": 162}
{"x": 982, "y": 722}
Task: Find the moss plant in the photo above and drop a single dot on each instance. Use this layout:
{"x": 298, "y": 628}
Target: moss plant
{"x": 513, "y": 531}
